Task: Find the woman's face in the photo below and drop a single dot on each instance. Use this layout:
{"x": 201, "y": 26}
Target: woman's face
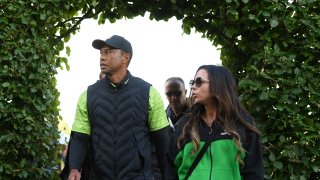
{"x": 200, "y": 87}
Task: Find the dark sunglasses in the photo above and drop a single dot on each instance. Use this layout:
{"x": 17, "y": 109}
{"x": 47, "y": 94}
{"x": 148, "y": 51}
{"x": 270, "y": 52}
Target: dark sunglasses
{"x": 198, "y": 82}
{"x": 174, "y": 93}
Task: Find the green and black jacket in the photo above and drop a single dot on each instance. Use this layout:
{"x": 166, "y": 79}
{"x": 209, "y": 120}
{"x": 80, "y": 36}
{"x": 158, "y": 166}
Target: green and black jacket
{"x": 219, "y": 161}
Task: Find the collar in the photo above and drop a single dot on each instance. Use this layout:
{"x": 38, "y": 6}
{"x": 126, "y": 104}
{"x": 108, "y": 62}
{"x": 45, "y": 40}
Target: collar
{"x": 123, "y": 83}
{"x": 173, "y": 117}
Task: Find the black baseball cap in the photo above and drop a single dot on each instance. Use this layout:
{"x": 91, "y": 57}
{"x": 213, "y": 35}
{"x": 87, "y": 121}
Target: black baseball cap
{"x": 114, "y": 41}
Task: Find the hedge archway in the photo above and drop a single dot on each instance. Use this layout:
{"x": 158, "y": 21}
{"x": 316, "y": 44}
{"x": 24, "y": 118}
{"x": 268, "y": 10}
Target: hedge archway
{"x": 271, "y": 46}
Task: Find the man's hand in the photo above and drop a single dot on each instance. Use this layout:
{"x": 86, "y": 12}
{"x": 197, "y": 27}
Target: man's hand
{"x": 74, "y": 175}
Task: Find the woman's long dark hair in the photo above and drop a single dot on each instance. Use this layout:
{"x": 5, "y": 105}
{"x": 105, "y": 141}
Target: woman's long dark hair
{"x": 229, "y": 112}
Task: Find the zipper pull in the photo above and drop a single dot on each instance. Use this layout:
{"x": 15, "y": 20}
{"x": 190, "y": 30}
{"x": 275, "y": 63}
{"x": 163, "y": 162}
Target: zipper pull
{"x": 210, "y": 130}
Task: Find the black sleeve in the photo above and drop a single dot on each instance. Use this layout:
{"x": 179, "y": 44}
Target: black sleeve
{"x": 78, "y": 149}
{"x": 171, "y": 153}
{"x": 173, "y": 150}
{"x": 160, "y": 139}
{"x": 253, "y": 163}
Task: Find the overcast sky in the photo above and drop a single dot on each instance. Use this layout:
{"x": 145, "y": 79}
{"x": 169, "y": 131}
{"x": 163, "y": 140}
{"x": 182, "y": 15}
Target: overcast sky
{"x": 160, "y": 51}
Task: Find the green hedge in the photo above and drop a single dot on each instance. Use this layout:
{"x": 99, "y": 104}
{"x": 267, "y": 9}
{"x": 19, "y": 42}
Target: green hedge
{"x": 271, "y": 46}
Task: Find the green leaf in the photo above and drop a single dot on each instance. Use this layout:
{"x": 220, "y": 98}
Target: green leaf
{"x": 310, "y": 1}
{"x": 33, "y": 90}
{"x": 17, "y": 51}
{"x": 33, "y": 23}
{"x": 94, "y": 2}
{"x": 5, "y": 84}
{"x": 245, "y": 1}
{"x": 67, "y": 38}
{"x": 264, "y": 75}
{"x": 266, "y": 13}
{"x": 264, "y": 139}
{"x": 282, "y": 138}
{"x": 272, "y": 157}
{"x": 42, "y": 5}
{"x": 35, "y": 56}
{"x": 292, "y": 57}
{"x": 296, "y": 90}
{"x": 291, "y": 40}
{"x": 278, "y": 164}
{"x": 274, "y": 23}
{"x": 284, "y": 97}
{"x": 68, "y": 50}
{"x": 251, "y": 16}
{"x": 24, "y": 173}
{"x": 43, "y": 16}
{"x": 315, "y": 168}
{"x": 263, "y": 96}
{"x": 275, "y": 35}
{"x": 233, "y": 12}
{"x": 11, "y": 7}
{"x": 302, "y": 177}
{"x": 280, "y": 107}
{"x": 279, "y": 71}
{"x": 28, "y": 128}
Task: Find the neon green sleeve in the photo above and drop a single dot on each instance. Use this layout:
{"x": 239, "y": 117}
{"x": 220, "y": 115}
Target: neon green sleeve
{"x": 157, "y": 117}
{"x": 81, "y": 119}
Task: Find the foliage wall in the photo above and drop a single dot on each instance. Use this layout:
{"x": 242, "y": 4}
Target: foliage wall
{"x": 271, "y": 46}
{"x": 30, "y": 45}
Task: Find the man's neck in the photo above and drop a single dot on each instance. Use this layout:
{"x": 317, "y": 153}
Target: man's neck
{"x": 117, "y": 77}
{"x": 178, "y": 112}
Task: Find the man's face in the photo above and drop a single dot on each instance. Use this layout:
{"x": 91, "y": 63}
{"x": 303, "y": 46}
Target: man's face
{"x": 111, "y": 60}
{"x": 176, "y": 95}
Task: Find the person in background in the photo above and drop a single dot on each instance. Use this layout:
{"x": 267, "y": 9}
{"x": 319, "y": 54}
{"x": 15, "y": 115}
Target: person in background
{"x": 118, "y": 120}
{"x": 176, "y": 95}
{"x": 218, "y": 139}
{"x": 62, "y": 156}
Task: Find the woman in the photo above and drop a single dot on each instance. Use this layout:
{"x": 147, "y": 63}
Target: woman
{"x": 233, "y": 149}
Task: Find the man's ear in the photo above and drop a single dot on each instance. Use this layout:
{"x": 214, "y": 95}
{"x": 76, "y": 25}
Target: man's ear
{"x": 126, "y": 58}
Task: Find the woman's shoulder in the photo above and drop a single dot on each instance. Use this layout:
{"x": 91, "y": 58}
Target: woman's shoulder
{"x": 247, "y": 118}
{"x": 243, "y": 129}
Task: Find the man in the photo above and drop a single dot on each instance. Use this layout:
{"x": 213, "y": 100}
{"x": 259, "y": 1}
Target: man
{"x": 176, "y": 94}
{"x": 117, "y": 120}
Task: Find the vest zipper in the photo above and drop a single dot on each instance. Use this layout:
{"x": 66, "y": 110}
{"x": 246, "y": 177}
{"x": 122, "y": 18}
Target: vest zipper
{"x": 115, "y": 134}
{"x": 210, "y": 130}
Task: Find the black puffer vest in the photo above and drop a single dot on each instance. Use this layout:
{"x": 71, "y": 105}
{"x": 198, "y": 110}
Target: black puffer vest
{"x": 120, "y": 144}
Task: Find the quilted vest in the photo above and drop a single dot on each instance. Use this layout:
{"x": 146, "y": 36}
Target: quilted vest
{"x": 120, "y": 142}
